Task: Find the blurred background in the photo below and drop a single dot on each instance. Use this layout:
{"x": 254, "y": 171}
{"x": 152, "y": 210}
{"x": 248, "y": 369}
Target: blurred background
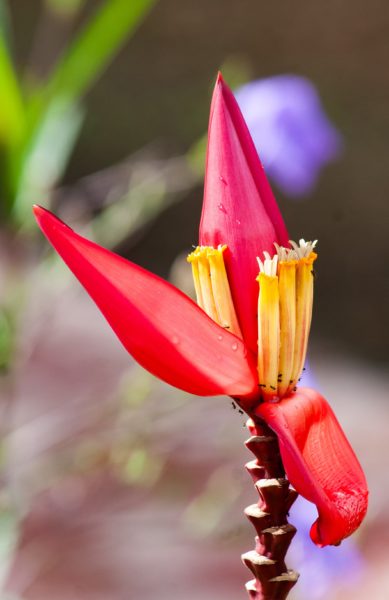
{"x": 114, "y": 485}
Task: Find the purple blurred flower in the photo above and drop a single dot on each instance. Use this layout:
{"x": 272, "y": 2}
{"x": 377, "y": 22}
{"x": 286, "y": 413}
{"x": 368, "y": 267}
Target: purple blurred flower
{"x": 290, "y": 129}
{"x": 321, "y": 569}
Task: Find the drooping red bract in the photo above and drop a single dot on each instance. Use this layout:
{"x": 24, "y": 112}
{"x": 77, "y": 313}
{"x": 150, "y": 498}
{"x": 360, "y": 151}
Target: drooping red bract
{"x": 319, "y": 462}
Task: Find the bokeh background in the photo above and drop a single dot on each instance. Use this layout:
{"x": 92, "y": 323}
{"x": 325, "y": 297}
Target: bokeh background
{"x": 114, "y": 485}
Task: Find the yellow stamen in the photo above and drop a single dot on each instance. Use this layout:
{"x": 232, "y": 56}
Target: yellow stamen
{"x": 284, "y": 317}
{"x": 205, "y": 299}
{"x": 268, "y": 328}
{"x": 221, "y": 291}
{"x": 287, "y": 291}
{"x": 304, "y": 302}
{"x": 193, "y": 259}
{"x": 212, "y": 287}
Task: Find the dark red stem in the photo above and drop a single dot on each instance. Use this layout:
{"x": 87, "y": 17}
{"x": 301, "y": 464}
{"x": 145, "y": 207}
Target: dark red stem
{"x": 272, "y": 580}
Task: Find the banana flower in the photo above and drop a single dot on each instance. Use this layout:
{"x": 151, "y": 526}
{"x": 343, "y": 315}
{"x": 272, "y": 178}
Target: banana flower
{"x": 247, "y": 335}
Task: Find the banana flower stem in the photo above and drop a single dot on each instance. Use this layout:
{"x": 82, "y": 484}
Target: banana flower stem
{"x": 272, "y": 580}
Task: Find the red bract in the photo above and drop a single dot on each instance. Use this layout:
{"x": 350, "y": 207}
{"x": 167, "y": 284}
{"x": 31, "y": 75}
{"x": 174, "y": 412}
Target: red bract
{"x": 175, "y": 340}
{"x": 239, "y": 208}
{"x": 320, "y": 462}
{"x": 163, "y": 329}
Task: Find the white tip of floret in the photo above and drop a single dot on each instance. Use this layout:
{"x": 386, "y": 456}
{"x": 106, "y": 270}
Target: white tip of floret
{"x": 285, "y": 254}
{"x": 269, "y": 265}
{"x": 303, "y": 249}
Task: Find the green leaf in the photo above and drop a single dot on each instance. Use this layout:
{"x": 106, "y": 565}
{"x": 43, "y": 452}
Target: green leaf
{"x": 95, "y": 46}
{"x": 47, "y": 158}
{"x": 75, "y": 73}
{"x": 12, "y": 114}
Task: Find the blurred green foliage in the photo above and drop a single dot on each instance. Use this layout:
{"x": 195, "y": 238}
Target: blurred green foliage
{"x": 40, "y": 121}
{"x": 65, "y": 7}
{"x": 6, "y": 339}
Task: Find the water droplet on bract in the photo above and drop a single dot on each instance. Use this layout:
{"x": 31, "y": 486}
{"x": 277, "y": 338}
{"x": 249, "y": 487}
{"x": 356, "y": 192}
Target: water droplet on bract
{"x": 220, "y": 337}
{"x": 238, "y": 222}
{"x": 234, "y": 346}
{"x": 222, "y": 208}
{"x": 222, "y": 179}
{"x": 175, "y": 340}
{"x": 339, "y": 495}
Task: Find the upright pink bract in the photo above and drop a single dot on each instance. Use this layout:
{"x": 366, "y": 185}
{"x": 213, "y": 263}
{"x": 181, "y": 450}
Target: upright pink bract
{"x": 239, "y": 208}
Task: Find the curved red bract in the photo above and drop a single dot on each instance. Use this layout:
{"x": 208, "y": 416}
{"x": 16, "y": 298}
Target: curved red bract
{"x": 163, "y": 329}
{"x": 319, "y": 462}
